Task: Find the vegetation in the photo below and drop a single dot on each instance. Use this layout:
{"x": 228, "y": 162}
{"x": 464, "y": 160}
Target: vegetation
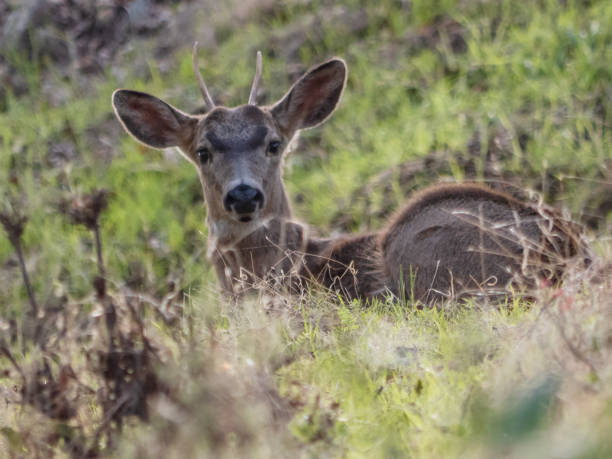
{"x": 124, "y": 348}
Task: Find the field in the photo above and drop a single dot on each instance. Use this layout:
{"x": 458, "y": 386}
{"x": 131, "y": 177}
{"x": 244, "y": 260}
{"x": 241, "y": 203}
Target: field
{"x": 119, "y": 344}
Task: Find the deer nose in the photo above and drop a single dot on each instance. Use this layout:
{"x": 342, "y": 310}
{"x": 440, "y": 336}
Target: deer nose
{"x": 243, "y": 199}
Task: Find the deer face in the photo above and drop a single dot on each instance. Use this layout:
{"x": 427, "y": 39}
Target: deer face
{"x": 237, "y": 151}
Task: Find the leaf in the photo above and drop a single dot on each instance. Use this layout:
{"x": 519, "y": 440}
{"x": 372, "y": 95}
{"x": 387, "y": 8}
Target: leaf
{"x": 14, "y": 439}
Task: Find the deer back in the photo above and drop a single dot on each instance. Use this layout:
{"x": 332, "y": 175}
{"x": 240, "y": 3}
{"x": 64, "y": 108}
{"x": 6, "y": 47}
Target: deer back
{"x": 456, "y": 240}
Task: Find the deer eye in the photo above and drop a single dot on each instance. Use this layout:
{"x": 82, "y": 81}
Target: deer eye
{"x": 204, "y": 155}
{"x": 273, "y": 147}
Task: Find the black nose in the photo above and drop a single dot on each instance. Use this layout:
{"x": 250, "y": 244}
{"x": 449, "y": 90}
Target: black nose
{"x": 243, "y": 199}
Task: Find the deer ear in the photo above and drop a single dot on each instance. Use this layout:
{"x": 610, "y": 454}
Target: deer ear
{"x": 313, "y": 98}
{"x": 152, "y": 121}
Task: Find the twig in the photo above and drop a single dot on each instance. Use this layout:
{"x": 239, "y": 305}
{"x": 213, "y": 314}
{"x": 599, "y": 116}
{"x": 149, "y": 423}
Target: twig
{"x": 86, "y": 210}
{"x": 5, "y": 350}
{"x": 109, "y": 417}
{"x": 96, "y": 230}
{"x": 573, "y": 349}
{"x": 14, "y": 225}
{"x": 26, "y": 279}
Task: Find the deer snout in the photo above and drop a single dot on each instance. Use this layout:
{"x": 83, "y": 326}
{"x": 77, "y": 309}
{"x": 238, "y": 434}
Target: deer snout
{"x": 243, "y": 199}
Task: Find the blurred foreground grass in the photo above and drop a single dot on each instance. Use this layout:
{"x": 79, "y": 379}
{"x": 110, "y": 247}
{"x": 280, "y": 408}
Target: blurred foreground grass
{"x": 504, "y": 90}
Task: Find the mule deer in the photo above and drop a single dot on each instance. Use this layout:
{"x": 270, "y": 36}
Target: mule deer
{"x": 448, "y": 240}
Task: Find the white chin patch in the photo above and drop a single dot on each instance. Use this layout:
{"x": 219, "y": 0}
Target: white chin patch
{"x": 247, "y": 218}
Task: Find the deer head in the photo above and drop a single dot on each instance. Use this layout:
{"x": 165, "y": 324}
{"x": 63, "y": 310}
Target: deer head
{"x": 237, "y": 152}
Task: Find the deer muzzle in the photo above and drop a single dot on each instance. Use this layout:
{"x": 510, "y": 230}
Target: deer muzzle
{"x": 244, "y": 200}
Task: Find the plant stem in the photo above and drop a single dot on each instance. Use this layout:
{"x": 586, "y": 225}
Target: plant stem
{"x": 99, "y": 250}
{"x": 26, "y": 280}
{"x": 100, "y": 280}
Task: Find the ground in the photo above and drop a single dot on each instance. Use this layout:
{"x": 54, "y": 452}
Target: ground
{"x": 153, "y": 362}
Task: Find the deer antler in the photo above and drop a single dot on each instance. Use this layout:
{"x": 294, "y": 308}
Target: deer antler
{"x": 256, "y": 80}
{"x": 198, "y": 75}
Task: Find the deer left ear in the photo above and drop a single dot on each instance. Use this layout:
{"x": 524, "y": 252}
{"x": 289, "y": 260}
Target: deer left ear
{"x": 313, "y": 98}
{"x": 152, "y": 121}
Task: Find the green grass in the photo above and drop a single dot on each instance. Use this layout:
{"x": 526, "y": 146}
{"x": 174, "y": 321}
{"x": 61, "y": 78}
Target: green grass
{"x": 385, "y": 381}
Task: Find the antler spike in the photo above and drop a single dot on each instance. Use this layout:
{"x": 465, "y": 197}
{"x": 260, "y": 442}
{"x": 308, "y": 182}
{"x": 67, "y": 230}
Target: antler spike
{"x": 198, "y": 75}
{"x": 256, "y": 80}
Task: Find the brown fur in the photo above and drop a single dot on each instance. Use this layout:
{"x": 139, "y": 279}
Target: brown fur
{"x": 271, "y": 251}
{"x": 351, "y": 265}
{"x": 456, "y": 240}
{"x": 449, "y": 240}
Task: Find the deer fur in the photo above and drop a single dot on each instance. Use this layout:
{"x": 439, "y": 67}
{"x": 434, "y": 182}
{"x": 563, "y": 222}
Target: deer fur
{"x": 447, "y": 241}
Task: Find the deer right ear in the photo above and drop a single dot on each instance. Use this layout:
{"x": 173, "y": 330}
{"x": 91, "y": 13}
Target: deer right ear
{"x": 152, "y": 121}
{"x": 313, "y": 98}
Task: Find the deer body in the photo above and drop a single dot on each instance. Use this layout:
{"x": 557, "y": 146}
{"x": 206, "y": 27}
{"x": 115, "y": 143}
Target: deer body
{"x": 456, "y": 240}
{"x": 448, "y": 240}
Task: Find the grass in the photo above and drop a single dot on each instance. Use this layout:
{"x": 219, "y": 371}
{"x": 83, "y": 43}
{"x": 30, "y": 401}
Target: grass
{"x": 525, "y": 83}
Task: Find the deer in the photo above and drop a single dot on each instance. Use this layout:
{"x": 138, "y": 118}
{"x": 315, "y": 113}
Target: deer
{"x": 448, "y": 240}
